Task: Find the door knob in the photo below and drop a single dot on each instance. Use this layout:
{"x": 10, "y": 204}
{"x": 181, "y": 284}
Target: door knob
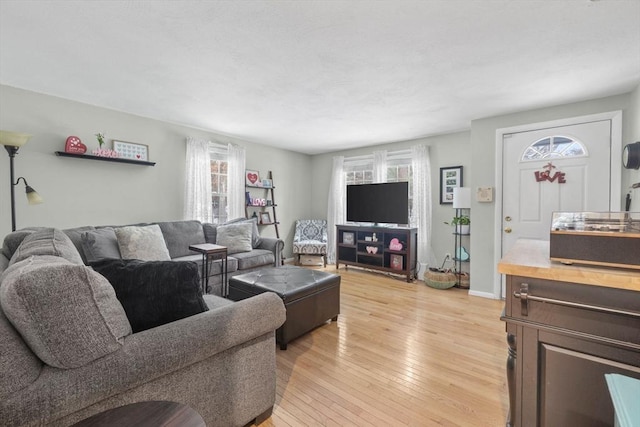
{"x": 507, "y": 230}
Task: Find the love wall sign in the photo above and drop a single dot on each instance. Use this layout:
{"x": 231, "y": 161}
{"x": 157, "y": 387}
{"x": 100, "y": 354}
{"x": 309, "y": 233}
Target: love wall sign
{"x": 545, "y": 174}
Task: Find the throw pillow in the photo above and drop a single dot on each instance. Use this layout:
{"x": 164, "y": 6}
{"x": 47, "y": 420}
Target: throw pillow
{"x": 47, "y": 241}
{"x": 144, "y": 243}
{"x": 210, "y": 232}
{"x": 100, "y": 244}
{"x": 68, "y": 314}
{"x": 178, "y": 235}
{"x": 75, "y": 235}
{"x": 154, "y": 292}
{"x": 256, "y": 240}
{"x": 236, "y": 237}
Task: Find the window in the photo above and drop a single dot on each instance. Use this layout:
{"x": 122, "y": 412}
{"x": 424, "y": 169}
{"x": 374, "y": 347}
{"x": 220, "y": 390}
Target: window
{"x": 359, "y": 174}
{"x": 359, "y": 170}
{"x": 219, "y": 178}
{"x": 399, "y": 170}
{"x": 554, "y": 147}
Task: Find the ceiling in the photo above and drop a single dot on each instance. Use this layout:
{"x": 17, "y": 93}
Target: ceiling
{"x": 321, "y": 76}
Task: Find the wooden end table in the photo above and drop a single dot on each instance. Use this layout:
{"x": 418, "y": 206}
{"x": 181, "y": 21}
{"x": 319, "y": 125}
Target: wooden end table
{"x": 146, "y": 414}
{"x": 211, "y": 252}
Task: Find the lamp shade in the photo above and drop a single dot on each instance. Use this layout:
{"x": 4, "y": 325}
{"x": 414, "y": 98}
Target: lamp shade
{"x": 13, "y": 139}
{"x": 462, "y": 198}
{"x": 33, "y": 197}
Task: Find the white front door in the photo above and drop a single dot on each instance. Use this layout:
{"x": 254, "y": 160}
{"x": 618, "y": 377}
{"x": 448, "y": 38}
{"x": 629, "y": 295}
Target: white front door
{"x": 543, "y": 172}
{"x": 577, "y": 181}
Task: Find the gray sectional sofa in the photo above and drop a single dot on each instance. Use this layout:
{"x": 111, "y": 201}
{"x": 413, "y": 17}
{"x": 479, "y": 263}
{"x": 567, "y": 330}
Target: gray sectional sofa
{"x": 178, "y": 235}
{"x": 68, "y": 350}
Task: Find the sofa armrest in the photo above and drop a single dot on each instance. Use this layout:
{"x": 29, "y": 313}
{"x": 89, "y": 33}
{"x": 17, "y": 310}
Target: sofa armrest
{"x": 274, "y": 245}
{"x": 146, "y": 356}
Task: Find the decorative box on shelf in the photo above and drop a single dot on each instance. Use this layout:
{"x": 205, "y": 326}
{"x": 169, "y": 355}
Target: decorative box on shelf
{"x": 598, "y": 238}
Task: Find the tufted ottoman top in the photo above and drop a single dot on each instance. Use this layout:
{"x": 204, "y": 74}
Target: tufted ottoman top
{"x": 289, "y": 282}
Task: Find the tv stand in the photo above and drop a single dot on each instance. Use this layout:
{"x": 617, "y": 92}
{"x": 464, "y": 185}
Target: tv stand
{"x": 377, "y": 248}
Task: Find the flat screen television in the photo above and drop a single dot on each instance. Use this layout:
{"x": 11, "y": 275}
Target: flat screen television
{"x": 386, "y": 203}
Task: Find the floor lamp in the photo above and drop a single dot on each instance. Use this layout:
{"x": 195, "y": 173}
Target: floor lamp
{"x": 12, "y": 142}
{"x": 461, "y": 200}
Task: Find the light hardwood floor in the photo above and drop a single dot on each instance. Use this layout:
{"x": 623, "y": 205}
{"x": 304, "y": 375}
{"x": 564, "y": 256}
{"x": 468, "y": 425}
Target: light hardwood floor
{"x": 400, "y": 354}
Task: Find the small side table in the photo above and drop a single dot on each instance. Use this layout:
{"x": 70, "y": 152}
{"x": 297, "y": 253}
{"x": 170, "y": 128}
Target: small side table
{"x": 211, "y": 252}
{"x": 146, "y": 414}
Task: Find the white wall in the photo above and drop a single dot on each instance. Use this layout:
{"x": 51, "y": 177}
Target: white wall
{"x": 445, "y": 150}
{"x": 86, "y": 192}
{"x": 483, "y": 148}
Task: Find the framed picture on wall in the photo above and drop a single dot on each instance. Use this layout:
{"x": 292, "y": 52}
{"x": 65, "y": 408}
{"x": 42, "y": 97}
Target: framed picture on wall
{"x": 450, "y": 178}
{"x": 252, "y": 178}
{"x": 131, "y": 150}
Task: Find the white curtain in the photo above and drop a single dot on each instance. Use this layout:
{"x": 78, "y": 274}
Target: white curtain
{"x": 421, "y": 213}
{"x": 379, "y": 166}
{"x": 235, "y": 182}
{"x": 197, "y": 191}
{"x": 336, "y": 206}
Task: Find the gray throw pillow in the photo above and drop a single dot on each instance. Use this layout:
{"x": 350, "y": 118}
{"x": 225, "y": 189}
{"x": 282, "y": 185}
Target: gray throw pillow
{"x": 100, "y": 244}
{"x": 236, "y": 237}
{"x": 179, "y": 235}
{"x": 68, "y": 314}
{"x": 256, "y": 240}
{"x": 48, "y": 241}
{"x": 145, "y": 243}
{"x": 210, "y": 232}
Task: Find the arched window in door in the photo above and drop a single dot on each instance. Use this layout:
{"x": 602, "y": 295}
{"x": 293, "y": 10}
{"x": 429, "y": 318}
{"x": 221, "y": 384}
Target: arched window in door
{"x": 554, "y": 147}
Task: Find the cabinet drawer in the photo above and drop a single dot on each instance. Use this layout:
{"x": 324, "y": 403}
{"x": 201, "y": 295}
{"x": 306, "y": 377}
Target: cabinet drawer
{"x": 594, "y": 310}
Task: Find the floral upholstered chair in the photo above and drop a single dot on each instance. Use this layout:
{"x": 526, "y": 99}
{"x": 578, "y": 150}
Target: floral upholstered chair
{"x": 310, "y": 238}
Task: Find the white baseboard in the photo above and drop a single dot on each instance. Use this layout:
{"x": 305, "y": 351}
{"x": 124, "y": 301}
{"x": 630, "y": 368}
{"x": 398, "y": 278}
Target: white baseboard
{"x": 488, "y": 295}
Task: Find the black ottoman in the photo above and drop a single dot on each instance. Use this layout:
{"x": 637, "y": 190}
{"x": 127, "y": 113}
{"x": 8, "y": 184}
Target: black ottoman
{"x": 311, "y": 297}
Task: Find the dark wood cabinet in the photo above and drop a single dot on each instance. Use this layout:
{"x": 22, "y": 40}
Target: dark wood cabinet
{"x": 389, "y": 249}
{"x": 563, "y": 337}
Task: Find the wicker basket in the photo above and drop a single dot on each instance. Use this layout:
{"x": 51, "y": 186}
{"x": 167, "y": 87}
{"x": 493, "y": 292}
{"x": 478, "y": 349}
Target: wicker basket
{"x": 440, "y": 279}
{"x": 464, "y": 281}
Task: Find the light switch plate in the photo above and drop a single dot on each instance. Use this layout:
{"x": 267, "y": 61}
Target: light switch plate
{"x": 484, "y": 194}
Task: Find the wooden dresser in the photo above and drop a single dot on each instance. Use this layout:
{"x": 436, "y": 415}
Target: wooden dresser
{"x": 566, "y": 326}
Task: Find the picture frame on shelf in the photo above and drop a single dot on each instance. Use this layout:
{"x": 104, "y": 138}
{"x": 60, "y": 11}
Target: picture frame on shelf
{"x": 450, "y": 178}
{"x": 252, "y": 178}
{"x": 267, "y": 183}
{"x": 348, "y": 238}
{"x": 395, "y": 261}
{"x": 131, "y": 150}
{"x": 265, "y": 218}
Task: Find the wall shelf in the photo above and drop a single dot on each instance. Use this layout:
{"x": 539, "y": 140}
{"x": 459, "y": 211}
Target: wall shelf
{"x": 104, "y": 159}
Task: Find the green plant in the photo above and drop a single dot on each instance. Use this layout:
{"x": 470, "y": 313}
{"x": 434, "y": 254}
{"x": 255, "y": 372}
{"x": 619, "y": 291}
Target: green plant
{"x": 461, "y": 220}
{"x": 100, "y": 137}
